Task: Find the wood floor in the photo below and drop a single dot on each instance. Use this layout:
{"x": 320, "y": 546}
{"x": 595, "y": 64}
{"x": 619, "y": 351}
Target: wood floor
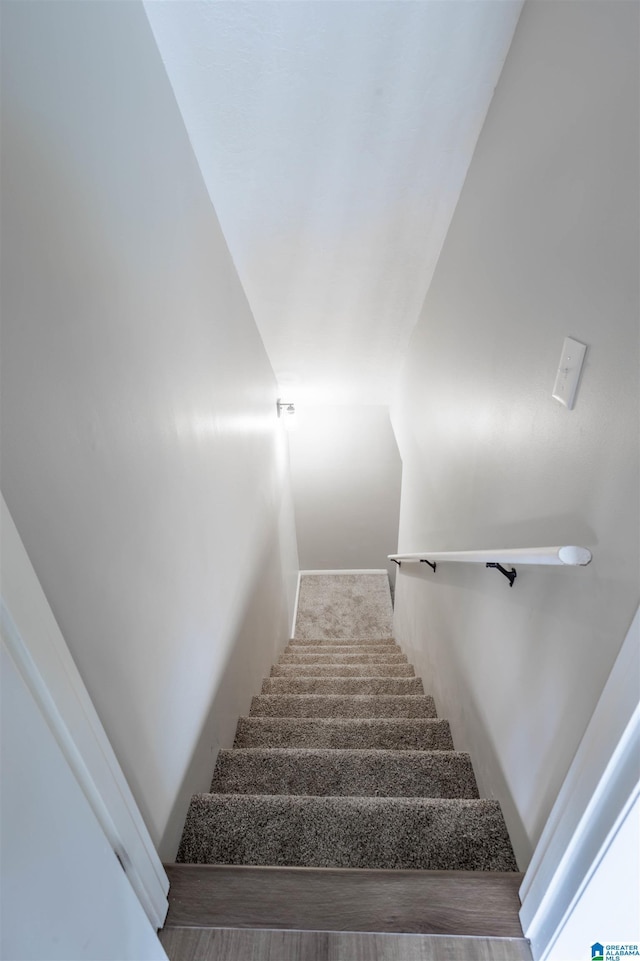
{"x": 206, "y": 944}
{"x": 470, "y": 903}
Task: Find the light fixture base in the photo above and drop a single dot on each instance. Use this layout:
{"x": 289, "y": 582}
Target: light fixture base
{"x": 285, "y": 407}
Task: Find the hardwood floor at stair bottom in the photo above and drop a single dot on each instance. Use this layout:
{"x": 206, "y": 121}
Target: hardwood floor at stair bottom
{"x": 224, "y": 944}
{"x": 473, "y": 904}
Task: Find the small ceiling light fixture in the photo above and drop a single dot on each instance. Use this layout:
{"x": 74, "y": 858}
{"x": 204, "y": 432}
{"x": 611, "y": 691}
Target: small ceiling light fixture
{"x": 285, "y": 407}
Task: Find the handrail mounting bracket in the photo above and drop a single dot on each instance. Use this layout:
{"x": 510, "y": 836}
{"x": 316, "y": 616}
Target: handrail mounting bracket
{"x": 510, "y": 575}
{"x": 432, "y": 564}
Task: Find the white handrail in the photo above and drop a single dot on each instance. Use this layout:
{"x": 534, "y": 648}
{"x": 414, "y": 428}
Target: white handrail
{"x": 569, "y": 556}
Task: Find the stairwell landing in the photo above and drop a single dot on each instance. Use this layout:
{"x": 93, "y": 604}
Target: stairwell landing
{"x": 343, "y": 807}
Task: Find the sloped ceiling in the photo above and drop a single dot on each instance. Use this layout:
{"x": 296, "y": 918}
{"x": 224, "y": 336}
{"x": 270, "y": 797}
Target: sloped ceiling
{"x": 334, "y": 139}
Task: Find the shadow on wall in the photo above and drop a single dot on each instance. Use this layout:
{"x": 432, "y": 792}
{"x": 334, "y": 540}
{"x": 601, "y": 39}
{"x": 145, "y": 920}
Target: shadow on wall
{"x": 250, "y": 654}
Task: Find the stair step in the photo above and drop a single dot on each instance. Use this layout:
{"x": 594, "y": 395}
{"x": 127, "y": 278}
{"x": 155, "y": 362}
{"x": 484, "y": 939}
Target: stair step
{"x": 345, "y": 773}
{"x": 384, "y": 649}
{"x": 466, "y": 903}
{"x": 240, "y": 944}
{"x": 342, "y": 685}
{"x": 337, "y": 641}
{"x": 392, "y": 734}
{"x": 343, "y": 659}
{"x": 342, "y": 670}
{"x": 342, "y": 705}
{"x": 418, "y": 833}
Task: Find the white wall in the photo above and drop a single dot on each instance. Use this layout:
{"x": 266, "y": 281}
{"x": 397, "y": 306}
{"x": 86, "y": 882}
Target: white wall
{"x": 544, "y": 244}
{"x": 334, "y": 139}
{"x": 142, "y": 458}
{"x": 64, "y": 895}
{"x": 346, "y": 474}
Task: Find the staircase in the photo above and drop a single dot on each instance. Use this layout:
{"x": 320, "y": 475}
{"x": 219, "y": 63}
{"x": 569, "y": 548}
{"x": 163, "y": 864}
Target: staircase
{"x": 342, "y": 804}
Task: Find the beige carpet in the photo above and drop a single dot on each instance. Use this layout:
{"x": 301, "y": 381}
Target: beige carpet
{"x": 344, "y": 606}
{"x": 340, "y": 769}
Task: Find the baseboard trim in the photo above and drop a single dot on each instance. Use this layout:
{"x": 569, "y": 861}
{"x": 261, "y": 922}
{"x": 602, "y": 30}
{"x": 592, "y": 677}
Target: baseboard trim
{"x": 295, "y": 607}
{"x": 354, "y": 570}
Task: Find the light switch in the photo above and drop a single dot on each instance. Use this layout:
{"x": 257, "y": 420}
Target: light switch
{"x": 571, "y": 360}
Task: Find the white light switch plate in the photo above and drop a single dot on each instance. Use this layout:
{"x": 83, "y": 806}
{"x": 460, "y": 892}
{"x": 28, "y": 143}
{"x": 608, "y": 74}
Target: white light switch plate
{"x": 571, "y": 360}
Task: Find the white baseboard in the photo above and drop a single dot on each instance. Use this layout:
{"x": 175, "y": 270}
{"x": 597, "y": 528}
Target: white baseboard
{"x": 295, "y": 608}
{"x": 372, "y": 570}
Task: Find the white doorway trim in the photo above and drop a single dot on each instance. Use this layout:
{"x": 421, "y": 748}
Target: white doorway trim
{"x": 42, "y": 657}
{"x": 600, "y": 787}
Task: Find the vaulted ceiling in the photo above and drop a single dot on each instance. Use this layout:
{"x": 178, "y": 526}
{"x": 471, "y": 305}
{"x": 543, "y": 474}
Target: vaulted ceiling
{"x": 334, "y": 138}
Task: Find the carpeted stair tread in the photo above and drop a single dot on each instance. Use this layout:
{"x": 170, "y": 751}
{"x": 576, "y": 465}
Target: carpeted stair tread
{"x": 343, "y": 659}
{"x": 342, "y": 685}
{"x": 342, "y": 705}
{"x": 344, "y": 773}
{"x": 392, "y": 734}
{"x": 346, "y": 647}
{"x": 342, "y": 641}
{"x": 372, "y": 649}
{"x": 393, "y": 833}
{"x": 343, "y": 670}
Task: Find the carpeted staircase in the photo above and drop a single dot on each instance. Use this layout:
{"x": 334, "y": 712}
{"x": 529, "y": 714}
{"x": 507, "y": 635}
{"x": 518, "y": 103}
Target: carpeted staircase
{"x": 342, "y": 762}
{"x": 343, "y": 807}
